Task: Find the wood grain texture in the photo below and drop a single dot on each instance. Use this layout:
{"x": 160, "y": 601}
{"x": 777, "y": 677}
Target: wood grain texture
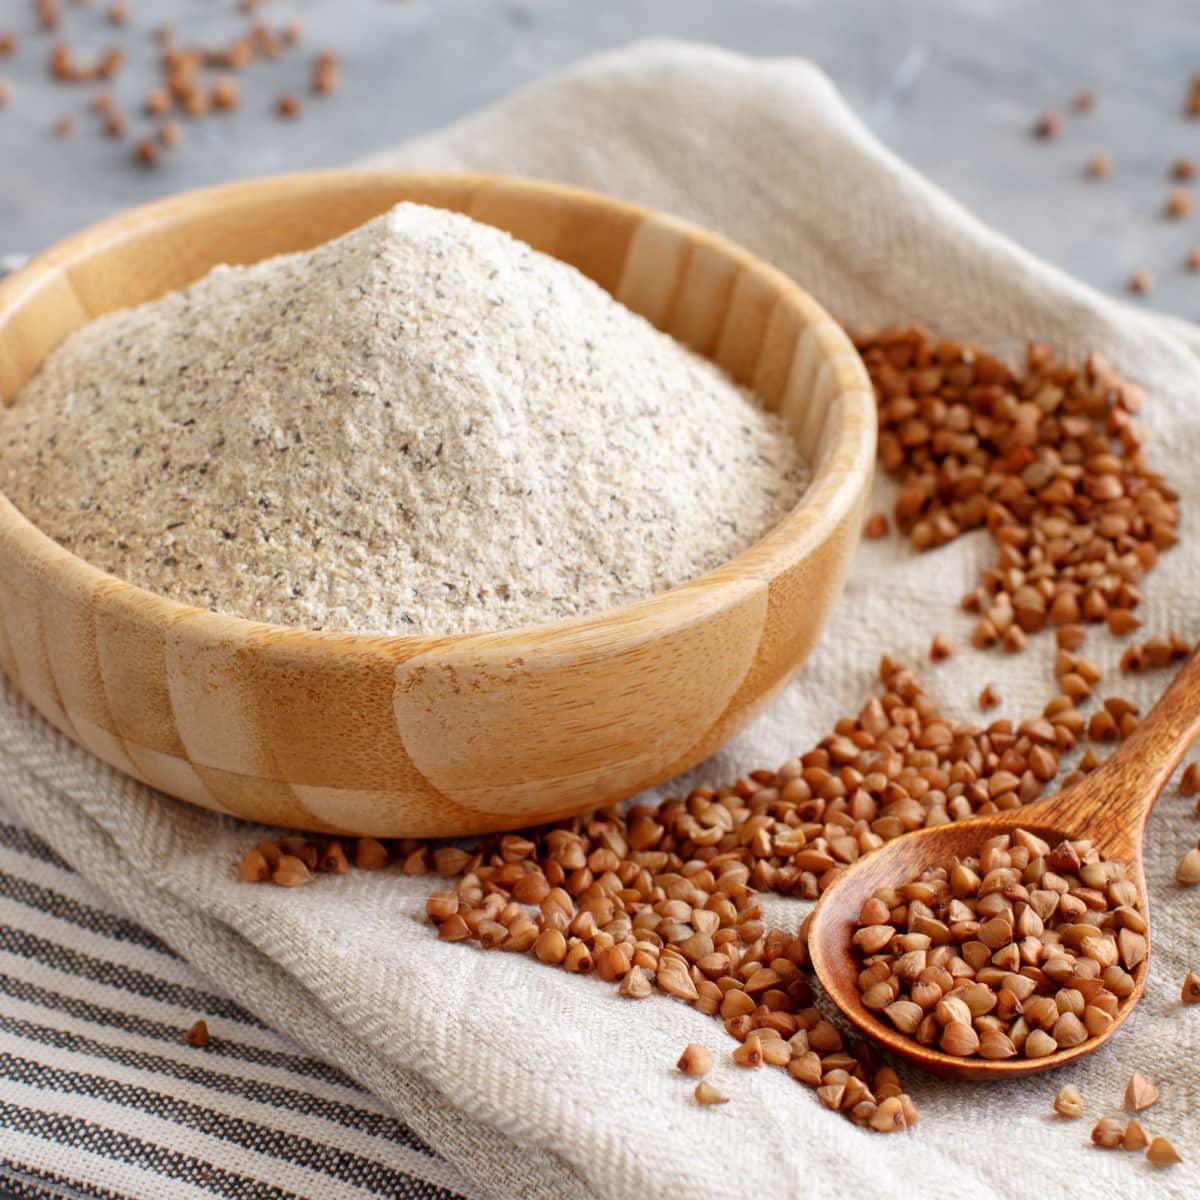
{"x": 1109, "y": 807}
{"x": 428, "y": 736}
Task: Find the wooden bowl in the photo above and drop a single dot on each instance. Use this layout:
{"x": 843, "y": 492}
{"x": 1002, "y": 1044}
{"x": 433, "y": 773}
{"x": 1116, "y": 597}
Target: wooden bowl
{"x": 430, "y": 736}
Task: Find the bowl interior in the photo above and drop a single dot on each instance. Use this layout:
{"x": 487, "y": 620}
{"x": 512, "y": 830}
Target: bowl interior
{"x": 695, "y": 290}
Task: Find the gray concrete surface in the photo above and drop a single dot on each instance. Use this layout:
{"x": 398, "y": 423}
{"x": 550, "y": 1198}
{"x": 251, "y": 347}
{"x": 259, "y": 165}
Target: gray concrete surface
{"x": 951, "y": 85}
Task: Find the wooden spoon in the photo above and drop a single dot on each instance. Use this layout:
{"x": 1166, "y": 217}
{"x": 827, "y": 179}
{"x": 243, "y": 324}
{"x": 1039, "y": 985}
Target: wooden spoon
{"x": 1109, "y": 808}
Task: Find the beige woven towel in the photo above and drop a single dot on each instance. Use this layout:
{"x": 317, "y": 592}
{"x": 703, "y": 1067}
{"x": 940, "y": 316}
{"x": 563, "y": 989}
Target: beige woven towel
{"x": 537, "y": 1083}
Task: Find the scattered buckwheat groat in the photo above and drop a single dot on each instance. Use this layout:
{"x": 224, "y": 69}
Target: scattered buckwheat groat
{"x": 1114, "y": 722}
{"x": 370, "y": 854}
{"x": 695, "y": 1059}
{"x": 750, "y": 1054}
{"x": 187, "y": 86}
{"x": 940, "y": 648}
{"x": 48, "y": 14}
{"x": 291, "y": 872}
{"x": 326, "y": 78}
{"x": 1190, "y": 993}
{"x": 1108, "y": 1133}
{"x": 1155, "y": 652}
{"x": 876, "y": 526}
{"x": 636, "y": 985}
{"x": 1050, "y": 458}
{"x": 198, "y": 1034}
{"x": 707, "y": 1094}
{"x": 1048, "y": 125}
{"x": 1121, "y": 622}
{"x": 1140, "y": 282}
{"x": 146, "y": 152}
{"x": 254, "y": 867}
{"x": 1140, "y": 1093}
{"x": 1191, "y": 104}
{"x": 1069, "y": 1103}
{"x": 1135, "y": 1137}
{"x": 1178, "y": 204}
{"x": 1162, "y": 1154}
{"x": 1070, "y": 637}
{"x": 666, "y": 899}
{"x": 1099, "y": 165}
{"x": 226, "y": 94}
{"x": 1187, "y": 874}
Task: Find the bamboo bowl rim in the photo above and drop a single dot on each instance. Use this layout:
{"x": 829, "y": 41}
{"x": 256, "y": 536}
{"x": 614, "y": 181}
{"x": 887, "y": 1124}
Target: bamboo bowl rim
{"x": 835, "y": 485}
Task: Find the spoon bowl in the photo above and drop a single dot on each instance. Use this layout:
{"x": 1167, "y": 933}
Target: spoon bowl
{"x": 1109, "y": 808}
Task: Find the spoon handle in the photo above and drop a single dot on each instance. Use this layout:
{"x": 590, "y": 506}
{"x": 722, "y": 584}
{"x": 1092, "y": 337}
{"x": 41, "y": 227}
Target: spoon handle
{"x": 1116, "y": 798}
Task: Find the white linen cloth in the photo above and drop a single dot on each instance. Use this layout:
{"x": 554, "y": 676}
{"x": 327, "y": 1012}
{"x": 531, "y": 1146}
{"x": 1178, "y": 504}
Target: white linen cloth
{"x": 535, "y": 1083}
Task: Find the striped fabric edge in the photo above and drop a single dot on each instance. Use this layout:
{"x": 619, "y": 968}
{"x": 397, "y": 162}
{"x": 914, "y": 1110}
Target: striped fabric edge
{"x": 76, "y": 944}
{"x": 293, "y": 1100}
{"x": 23, "y": 841}
{"x": 256, "y": 1138}
{"x": 64, "y": 957}
{"x": 18, "y": 1182}
{"x": 249, "y": 1180}
{"x": 94, "y": 1072}
{"x": 56, "y": 904}
{"x": 160, "y": 1031}
{"x": 231, "y": 1068}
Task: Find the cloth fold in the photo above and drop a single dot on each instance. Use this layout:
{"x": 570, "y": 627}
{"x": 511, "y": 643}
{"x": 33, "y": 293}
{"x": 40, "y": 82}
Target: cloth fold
{"x": 534, "y": 1083}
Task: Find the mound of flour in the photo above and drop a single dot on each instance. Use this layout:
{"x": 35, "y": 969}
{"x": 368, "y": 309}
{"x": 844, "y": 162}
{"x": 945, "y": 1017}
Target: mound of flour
{"x": 424, "y": 426}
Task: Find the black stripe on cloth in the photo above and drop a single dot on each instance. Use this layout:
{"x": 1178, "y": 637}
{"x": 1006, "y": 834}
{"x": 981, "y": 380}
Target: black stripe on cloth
{"x": 372, "y": 1124}
{"x": 21, "y": 1182}
{"x": 332, "y": 1161}
{"x": 139, "y": 983}
{"x": 23, "y": 842}
{"x": 75, "y": 912}
{"x": 97, "y": 1014}
{"x": 120, "y": 1147}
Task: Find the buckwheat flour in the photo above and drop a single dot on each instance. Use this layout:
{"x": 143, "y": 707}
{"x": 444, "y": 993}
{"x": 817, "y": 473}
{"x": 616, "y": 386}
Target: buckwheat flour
{"x": 424, "y": 426}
